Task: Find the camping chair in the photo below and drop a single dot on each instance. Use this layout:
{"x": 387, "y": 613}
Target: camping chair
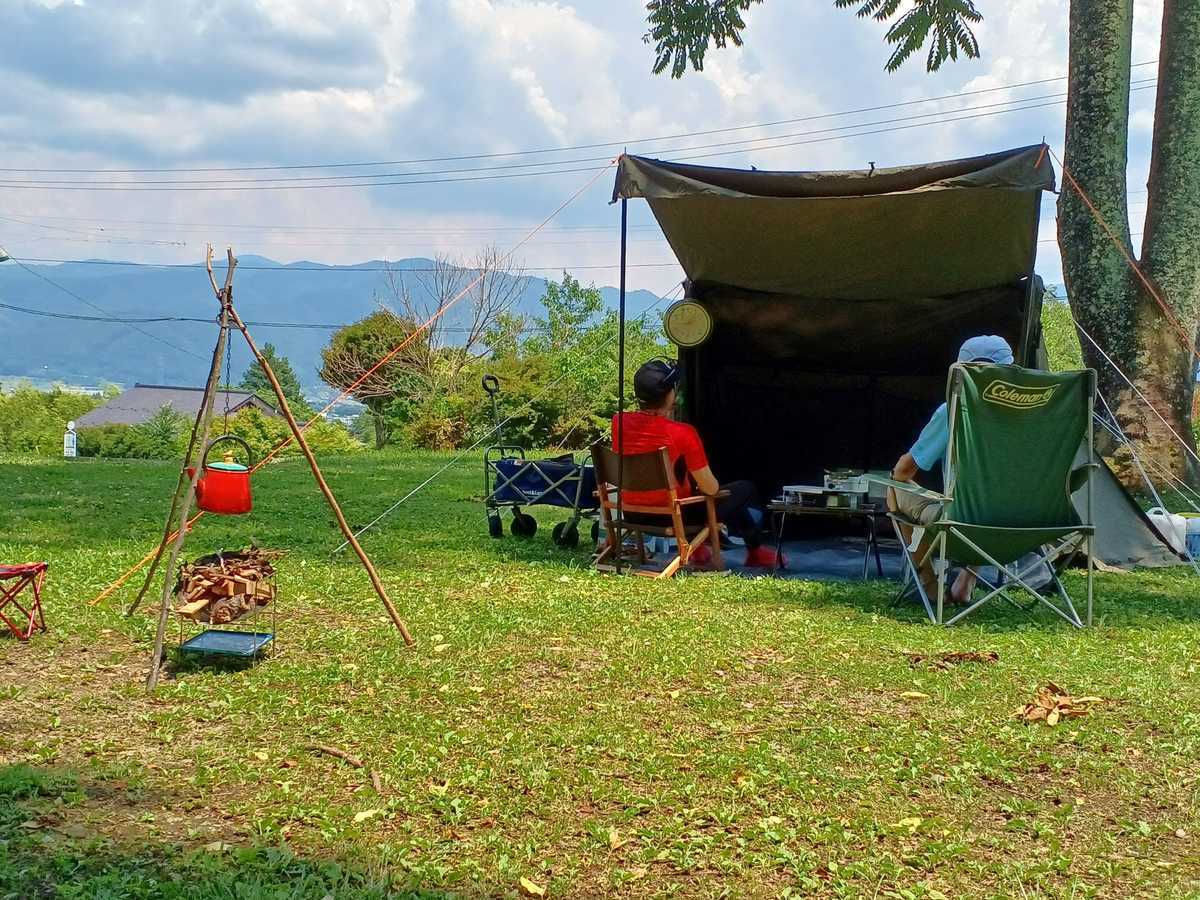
{"x": 1010, "y": 472}
{"x": 649, "y": 472}
{"x": 28, "y": 615}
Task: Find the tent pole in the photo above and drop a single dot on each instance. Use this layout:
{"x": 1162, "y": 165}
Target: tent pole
{"x": 620, "y": 448}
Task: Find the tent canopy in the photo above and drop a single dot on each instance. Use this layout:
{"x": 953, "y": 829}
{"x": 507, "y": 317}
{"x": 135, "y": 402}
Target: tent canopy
{"x": 839, "y": 299}
{"x": 912, "y": 231}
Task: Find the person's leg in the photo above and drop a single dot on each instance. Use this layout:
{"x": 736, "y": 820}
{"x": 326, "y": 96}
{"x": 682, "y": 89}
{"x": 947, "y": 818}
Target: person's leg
{"x": 915, "y": 511}
{"x": 742, "y": 511}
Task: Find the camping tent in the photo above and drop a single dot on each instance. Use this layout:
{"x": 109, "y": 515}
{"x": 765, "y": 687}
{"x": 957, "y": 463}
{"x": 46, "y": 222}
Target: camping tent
{"x": 839, "y": 299}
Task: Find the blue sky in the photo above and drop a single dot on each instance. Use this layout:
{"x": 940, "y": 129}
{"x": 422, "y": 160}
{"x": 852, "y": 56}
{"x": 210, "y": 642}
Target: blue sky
{"x": 111, "y": 84}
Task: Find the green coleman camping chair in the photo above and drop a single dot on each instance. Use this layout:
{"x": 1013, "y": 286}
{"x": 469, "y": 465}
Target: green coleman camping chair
{"x": 1010, "y": 470}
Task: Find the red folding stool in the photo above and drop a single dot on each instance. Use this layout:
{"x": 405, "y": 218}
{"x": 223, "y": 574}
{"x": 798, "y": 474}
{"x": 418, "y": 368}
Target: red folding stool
{"x": 13, "y": 581}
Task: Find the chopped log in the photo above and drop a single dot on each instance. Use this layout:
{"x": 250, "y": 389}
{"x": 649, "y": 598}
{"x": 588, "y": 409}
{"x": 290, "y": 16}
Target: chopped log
{"x": 222, "y": 587}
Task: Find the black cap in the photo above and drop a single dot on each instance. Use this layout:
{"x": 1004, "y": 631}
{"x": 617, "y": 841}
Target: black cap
{"x": 655, "y": 379}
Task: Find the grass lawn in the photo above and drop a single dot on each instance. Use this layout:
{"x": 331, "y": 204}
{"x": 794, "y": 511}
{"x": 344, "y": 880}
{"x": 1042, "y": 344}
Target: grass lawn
{"x": 596, "y": 736}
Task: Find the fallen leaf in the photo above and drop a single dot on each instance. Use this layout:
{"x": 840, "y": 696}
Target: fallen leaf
{"x": 614, "y": 839}
{"x": 914, "y": 695}
{"x": 532, "y": 889}
{"x": 216, "y": 847}
{"x": 441, "y": 648}
{"x": 675, "y": 694}
{"x": 261, "y": 756}
{"x": 912, "y": 823}
{"x": 365, "y": 814}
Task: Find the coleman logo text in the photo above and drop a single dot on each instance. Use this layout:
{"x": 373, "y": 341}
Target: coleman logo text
{"x": 1017, "y": 396}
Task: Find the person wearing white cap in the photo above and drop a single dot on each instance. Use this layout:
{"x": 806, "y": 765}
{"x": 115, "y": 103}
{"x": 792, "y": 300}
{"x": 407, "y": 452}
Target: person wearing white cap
{"x": 928, "y": 451}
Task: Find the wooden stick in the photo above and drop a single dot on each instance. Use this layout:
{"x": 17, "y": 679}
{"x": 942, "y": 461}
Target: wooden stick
{"x": 188, "y": 460}
{"x": 336, "y": 753}
{"x": 206, "y": 404}
{"x": 376, "y": 782}
{"x": 298, "y": 433}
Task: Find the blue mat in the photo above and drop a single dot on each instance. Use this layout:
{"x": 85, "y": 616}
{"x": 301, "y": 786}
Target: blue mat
{"x": 228, "y": 643}
{"x": 825, "y": 559}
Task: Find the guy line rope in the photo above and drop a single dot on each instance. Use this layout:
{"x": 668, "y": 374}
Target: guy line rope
{"x": 493, "y": 430}
{"x": 391, "y": 354}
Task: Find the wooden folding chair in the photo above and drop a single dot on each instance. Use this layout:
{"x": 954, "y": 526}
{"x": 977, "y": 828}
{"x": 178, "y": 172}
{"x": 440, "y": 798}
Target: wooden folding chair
{"x": 649, "y": 472}
{"x": 28, "y": 616}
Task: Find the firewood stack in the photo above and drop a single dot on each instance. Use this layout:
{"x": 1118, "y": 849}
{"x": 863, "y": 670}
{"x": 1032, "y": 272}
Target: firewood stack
{"x": 222, "y": 587}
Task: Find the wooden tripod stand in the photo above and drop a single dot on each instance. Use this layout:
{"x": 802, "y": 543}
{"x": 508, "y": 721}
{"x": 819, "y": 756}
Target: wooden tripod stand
{"x": 178, "y": 522}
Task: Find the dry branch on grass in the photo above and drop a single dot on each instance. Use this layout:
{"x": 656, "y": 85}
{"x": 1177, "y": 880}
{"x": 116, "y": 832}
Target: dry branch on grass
{"x": 1052, "y": 704}
{"x": 223, "y": 587}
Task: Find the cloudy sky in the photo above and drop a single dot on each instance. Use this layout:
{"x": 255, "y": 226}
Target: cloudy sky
{"x": 448, "y": 92}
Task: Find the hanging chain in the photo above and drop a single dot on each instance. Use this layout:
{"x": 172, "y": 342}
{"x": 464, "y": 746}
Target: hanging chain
{"x": 228, "y": 364}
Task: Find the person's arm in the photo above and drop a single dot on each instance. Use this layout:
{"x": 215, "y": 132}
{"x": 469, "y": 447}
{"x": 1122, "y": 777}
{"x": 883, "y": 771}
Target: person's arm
{"x": 706, "y": 482}
{"x": 906, "y": 468}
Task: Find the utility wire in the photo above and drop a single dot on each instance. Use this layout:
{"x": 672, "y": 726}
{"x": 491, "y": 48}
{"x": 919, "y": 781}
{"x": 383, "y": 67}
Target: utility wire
{"x": 549, "y": 150}
{"x": 98, "y": 308}
{"x": 303, "y": 268}
{"x": 147, "y": 320}
{"x": 135, "y": 187}
{"x": 225, "y": 182}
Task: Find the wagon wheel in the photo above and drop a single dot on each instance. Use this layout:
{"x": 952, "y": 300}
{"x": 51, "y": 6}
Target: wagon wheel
{"x": 566, "y": 534}
{"x": 523, "y": 524}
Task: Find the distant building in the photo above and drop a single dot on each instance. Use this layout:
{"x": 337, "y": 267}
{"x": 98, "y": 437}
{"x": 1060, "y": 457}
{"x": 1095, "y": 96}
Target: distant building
{"x": 142, "y": 401}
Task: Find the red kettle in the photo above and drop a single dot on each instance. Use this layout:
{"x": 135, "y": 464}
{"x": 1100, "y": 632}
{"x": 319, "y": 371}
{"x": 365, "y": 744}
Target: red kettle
{"x": 224, "y": 487}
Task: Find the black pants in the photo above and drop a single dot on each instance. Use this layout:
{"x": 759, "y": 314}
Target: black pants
{"x": 733, "y": 511}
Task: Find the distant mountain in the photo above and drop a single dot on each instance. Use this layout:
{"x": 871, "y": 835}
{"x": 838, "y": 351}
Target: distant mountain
{"x": 304, "y": 293}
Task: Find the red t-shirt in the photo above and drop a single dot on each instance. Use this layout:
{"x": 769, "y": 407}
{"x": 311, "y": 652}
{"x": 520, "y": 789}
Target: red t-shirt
{"x": 646, "y": 432}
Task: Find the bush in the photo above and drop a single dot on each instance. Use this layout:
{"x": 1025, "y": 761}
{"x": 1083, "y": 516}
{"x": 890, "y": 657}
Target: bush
{"x": 165, "y": 436}
{"x": 33, "y": 421}
{"x": 263, "y": 433}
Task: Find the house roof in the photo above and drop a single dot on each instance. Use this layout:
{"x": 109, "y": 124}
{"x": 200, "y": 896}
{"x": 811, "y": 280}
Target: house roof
{"x": 142, "y": 401}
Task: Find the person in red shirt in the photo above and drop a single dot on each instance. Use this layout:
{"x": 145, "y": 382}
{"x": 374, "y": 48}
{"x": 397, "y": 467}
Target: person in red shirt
{"x": 652, "y": 427}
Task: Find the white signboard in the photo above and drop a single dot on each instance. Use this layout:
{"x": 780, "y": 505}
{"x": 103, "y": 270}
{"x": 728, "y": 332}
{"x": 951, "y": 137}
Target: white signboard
{"x": 69, "y": 441}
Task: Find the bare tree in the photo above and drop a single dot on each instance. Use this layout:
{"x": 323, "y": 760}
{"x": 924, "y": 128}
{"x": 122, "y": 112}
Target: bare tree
{"x": 493, "y": 286}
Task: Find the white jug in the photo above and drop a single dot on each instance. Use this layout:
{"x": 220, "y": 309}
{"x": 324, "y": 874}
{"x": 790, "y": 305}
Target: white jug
{"x": 1173, "y": 527}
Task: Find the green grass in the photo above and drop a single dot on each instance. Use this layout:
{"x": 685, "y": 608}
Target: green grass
{"x": 599, "y": 736}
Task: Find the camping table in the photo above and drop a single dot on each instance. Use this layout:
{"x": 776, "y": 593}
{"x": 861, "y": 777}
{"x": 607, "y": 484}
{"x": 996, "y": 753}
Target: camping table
{"x": 867, "y": 512}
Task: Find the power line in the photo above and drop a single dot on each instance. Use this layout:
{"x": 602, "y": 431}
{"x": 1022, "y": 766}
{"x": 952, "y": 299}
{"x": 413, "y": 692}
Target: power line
{"x": 550, "y": 150}
{"x": 98, "y": 308}
{"x": 343, "y": 269}
{"x": 149, "y": 320}
{"x": 508, "y": 166}
{"x": 255, "y": 185}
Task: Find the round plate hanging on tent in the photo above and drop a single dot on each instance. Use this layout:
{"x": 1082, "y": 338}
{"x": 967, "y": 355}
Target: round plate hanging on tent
{"x": 687, "y": 324}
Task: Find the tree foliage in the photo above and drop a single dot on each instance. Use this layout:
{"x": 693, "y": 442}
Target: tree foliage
{"x": 255, "y": 380}
{"x": 352, "y": 362}
{"x": 683, "y": 30}
{"x": 557, "y": 373}
{"x": 33, "y": 421}
{"x": 1059, "y": 335}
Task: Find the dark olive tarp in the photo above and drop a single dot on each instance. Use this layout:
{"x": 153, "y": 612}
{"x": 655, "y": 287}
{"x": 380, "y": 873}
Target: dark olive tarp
{"x": 914, "y": 231}
{"x": 839, "y": 301}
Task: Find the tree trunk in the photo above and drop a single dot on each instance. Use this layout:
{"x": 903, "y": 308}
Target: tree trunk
{"x": 1107, "y": 298}
{"x": 1166, "y": 364}
{"x": 382, "y": 432}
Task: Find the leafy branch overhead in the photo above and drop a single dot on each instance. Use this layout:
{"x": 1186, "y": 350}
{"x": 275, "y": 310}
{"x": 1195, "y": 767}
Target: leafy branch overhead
{"x": 948, "y": 21}
{"x": 683, "y": 30}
